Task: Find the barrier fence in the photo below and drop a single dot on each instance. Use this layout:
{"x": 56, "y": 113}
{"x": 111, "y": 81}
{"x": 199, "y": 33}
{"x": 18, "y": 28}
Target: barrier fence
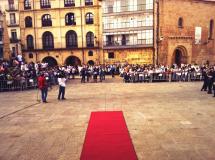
{"x": 17, "y": 85}
{"x": 162, "y": 77}
{"x": 25, "y": 84}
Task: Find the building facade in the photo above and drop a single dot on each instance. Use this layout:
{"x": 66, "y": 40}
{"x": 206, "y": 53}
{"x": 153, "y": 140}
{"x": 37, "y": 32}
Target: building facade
{"x": 128, "y": 31}
{"x": 4, "y": 38}
{"x": 10, "y": 8}
{"x": 185, "y": 31}
{"x": 1, "y": 34}
{"x": 61, "y": 31}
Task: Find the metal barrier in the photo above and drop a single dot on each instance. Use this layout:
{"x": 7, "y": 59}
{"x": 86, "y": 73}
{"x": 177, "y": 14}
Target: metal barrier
{"x": 162, "y": 77}
{"x": 17, "y": 85}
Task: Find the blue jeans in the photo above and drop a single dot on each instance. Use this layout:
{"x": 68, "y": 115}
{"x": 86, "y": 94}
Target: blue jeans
{"x": 61, "y": 92}
{"x": 44, "y": 93}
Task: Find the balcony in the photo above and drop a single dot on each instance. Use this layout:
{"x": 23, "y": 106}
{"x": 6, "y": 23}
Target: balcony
{"x": 45, "y": 6}
{"x": 47, "y": 23}
{"x": 88, "y": 3}
{"x": 128, "y": 25}
{"x": 90, "y": 45}
{"x": 12, "y": 24}
{"x": 71, "y": 24}
{"x": 128, "y": 8}
{"x": 11, "y": 7}
{"x": 128, "y": 43}
{"x": 89, "y": 21}
{"x": 27, "y": 7}
{"x": 69, "y": 4}
{"x": 14, "y": 40}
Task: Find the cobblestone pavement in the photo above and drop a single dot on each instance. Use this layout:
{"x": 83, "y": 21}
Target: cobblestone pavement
{"x": 167, "y": 121}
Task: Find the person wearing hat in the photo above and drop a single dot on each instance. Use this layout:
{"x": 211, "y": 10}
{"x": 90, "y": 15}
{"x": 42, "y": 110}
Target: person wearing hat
{"x": 43, "y": 86}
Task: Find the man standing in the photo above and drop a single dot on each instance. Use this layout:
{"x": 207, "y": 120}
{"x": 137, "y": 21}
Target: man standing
{"x": 62, "y": 86}
{"x": 205, "y": 77}
{"x": 42, "y": 85}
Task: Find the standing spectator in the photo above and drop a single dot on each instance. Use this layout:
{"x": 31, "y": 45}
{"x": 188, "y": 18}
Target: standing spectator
{"x": 210, "y": 81}
{"x": 42, "y": 85}
{"x": 112, "y": 71}
{"x": 62, "y": 86}
{"x": 83, "y": 74}
{"x": 205, "y": 77}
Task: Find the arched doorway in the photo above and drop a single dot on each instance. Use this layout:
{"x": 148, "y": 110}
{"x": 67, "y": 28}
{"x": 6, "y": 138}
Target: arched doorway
{"x": 73, "y": 61}
{"x": 180, "y": 56}
{"x": 91, "y": 62}
{"x": 50, "y": 60}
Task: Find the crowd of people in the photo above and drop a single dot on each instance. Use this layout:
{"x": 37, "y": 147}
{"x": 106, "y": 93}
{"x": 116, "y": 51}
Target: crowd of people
{"x": 19, "y": 73}
{"x": 185, "y": 72}
{"x": 16, "y": 74}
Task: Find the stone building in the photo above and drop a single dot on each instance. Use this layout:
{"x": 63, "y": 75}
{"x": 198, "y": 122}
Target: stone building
{"x": 4, "y": 38}
{"x": 10, "y": 8}
{"x": 128, "y": 31}
{"x": 1, "y": 34}
{"x": 61, "y": 31}
{"x": 185, "y": 31}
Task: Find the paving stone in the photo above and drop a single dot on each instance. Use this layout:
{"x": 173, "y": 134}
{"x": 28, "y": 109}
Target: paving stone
{"x": 166, "y": 121}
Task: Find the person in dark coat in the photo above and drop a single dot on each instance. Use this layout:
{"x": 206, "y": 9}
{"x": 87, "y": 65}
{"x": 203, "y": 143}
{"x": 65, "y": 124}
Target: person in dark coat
{"x": 210, "y": 81}
{"x": 83, "y": 74}
{"x": 205, "y": 77}
{"x": 214, "y": 82}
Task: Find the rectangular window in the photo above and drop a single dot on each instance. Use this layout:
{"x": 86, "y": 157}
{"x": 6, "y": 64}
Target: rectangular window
{"x": 198, "y": 35}
{"x": 12, "y": 18}
{"x": 45, "y": 4}
{"x": 124, "y": 5}
{"x": 69, "y": 3}
{"x": 145, "y": 37}
{"x": 149, "y": 4}
{"x": 117, "y": 6}
{"x": 88, "y": 2}
{"x": 13, "y": 34}
{"x": 111, "y": 55}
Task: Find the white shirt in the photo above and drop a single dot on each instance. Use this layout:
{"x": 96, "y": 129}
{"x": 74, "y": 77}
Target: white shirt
{"x": 62, "y": 82}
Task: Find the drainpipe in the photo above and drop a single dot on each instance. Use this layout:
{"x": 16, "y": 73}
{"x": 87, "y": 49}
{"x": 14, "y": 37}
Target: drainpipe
{"x": 82, "y": 38}
{"x": 158, "y": 27}
{"x": 35, "y": 39}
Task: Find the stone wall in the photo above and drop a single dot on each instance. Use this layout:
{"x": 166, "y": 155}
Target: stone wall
{"x": 194, "y": 14}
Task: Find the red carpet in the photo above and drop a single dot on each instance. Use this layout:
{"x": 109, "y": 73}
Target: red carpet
{"x": 107, "y": 138}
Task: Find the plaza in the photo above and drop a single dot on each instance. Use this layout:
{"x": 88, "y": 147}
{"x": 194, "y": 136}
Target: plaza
{"x": 166, "y": 121}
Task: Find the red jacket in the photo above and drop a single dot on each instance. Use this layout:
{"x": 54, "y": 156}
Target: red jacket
{"x": 41, "y": 82}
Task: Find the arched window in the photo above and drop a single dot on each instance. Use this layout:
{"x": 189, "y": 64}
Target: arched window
{"x": 70, "y": 19}
{"x": 89, "y": 18}
{"x": 30, "y": 42}
{"x": 27, "y": 4}
{"x": 45, "y": 4}
{"x": 90, "y": 39}
{"x": 88, "y": 2}
{"x": 46, "y": 20}
{"x": 28, "y": 21}
{"x": 48, "y": 40}
{"x": 180, "y": 22}
{"x": 211, "y": 29}
{"x": 69, "y": 3}
{"x": 71, "y": 39}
